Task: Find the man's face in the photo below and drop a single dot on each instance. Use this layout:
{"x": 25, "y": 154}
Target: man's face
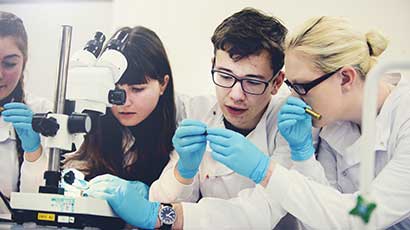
{"x": 241, "y": 109}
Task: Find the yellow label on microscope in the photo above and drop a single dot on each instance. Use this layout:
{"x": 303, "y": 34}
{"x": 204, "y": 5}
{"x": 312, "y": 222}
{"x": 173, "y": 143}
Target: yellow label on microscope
{"x": 46, "y": 216}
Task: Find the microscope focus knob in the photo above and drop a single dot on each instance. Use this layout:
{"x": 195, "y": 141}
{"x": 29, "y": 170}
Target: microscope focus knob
{"x": 47, "y": 126}
{"x": 79, "y": 123}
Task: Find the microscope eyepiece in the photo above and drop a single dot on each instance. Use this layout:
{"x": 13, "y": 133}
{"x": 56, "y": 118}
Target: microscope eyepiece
{"x": 94, "y": 46}
{"x": 118, "y": 41}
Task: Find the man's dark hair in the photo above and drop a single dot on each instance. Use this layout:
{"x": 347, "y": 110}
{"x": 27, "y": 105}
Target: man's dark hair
{"x": 249, "y": 32}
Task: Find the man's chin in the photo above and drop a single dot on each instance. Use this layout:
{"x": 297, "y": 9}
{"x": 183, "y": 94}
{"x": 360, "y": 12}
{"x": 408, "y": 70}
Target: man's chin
{"x": 237, "y": 123}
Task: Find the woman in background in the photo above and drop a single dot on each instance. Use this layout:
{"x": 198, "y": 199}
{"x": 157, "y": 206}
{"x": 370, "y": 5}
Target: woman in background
{"x": 19, "y": 154}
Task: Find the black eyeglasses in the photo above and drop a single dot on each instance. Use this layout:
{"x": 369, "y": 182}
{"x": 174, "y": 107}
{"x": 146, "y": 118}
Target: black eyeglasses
{"x": 249, "y": 85}
{"x": 303, "y": 88}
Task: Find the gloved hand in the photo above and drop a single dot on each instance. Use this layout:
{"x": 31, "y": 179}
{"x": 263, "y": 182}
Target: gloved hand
{"x": 295, "y": 125}
{"x": 235, "y": 151}
{"x": 20, "y": 115}
{"x": 128, "y": 199}
{"x": 190, "y": 143}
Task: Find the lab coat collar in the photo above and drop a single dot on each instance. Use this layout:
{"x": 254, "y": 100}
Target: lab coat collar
{"x": 342, "y": 134}
{"x": 6, "y": 130}
{"x": 258, "y": 136}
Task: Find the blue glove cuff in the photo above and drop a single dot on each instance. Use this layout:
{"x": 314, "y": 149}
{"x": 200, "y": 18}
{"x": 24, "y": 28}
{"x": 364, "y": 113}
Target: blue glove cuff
{"x": 187, "y": 174}
{"x": 259, "y": 173}
{"x": 302, "y": 153}
{"x": 33, "y": 144}
{"x": 154, "y": 216}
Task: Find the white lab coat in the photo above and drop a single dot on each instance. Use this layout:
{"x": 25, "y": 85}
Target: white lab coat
{"x": 215, "y": 180}
{"x": 324, "y": 207}
{"x": 31, "y": 172}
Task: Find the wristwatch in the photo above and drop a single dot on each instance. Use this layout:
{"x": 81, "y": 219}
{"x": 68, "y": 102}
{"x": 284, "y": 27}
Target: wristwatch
{"x": 167, "y": 216}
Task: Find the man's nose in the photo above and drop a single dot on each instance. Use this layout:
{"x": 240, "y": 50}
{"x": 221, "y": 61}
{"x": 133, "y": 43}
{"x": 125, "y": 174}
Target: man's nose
{"x": 236, "y": 92}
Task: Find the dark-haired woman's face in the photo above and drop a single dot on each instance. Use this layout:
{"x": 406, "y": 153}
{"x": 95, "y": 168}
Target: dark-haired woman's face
{"x": 11, "y": 66}
{"x": 141, "y": 101}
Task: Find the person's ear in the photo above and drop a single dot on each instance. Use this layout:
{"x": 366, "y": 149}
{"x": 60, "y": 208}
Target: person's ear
{"x": 277, "y": 82}
{"x": 348, "y": 76}
{"x": 164, "y": 84}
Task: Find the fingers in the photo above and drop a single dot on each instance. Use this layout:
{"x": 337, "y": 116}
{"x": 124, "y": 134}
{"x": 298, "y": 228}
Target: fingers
{"x": 219, "y": 157}
{"x": 226, "y": 133}
{"x": 103, "y": 186}
{"x": 219, "y": 148}
{"x": 296, "y": 101}
{"x": 99, "y": 195}
{"x": 291, "y": 116}
{"x": 139, "y": 184}
{"x": 188, "y": 122}
{"x": 190, "y": 140}
{"x": 286, "y": 124}
{"x": 17, "y": 112}
{"x": 216, "y": 139}
{"x": 103, "y": 178}
{"x": 18, "y": 119}
{"x": 16, "y": 105}
{"x": 184, "y": 131}
{"x": 191, "y": 148}
{"x": 291, "y": 109}
{"x": 106, "y": 183}
{"x": 294, "y": 105}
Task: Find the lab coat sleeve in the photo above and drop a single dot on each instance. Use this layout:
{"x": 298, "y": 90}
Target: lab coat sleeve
{"x": 247, "y": 211}
{"x": 32, "y": 173}
{"x": 168, "y": 189}
{"x": 310, "y": 168}
{"x": 320, "y": 206}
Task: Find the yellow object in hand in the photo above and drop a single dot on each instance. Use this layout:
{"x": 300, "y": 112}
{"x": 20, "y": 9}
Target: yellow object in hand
{"x": 313, "y": 113}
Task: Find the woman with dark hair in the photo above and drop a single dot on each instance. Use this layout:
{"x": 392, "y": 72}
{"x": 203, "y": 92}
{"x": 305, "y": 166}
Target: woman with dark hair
{"x": 20, "y": 146}
{"x": 133, "y": 141}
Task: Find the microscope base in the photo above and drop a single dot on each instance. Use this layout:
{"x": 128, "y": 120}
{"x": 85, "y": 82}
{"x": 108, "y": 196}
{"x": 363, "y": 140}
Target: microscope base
{"x": 62, "y": 211}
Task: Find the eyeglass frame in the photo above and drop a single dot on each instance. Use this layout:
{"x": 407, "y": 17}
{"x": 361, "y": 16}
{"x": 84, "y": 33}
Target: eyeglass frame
{"x": 310, "y": 85}
{"x": 266, "y": 83}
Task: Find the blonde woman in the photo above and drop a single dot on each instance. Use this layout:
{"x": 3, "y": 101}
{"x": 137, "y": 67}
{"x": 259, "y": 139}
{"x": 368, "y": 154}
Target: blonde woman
{"x": 326, "y": 66}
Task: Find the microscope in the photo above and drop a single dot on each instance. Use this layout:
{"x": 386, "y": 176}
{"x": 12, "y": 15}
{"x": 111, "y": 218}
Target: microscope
{"x": 84, "y": 91}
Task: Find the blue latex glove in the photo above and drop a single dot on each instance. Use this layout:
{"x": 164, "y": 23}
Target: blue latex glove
{"x": 128, "y": 199}
{"x": 295, "y": 125}
{"x": 20, "y": 115}
{"x": 239, "y": 154}
{"x": 190, "y": 143}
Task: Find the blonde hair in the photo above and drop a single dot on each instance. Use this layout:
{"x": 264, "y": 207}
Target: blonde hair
{"x": 331, "y": 43}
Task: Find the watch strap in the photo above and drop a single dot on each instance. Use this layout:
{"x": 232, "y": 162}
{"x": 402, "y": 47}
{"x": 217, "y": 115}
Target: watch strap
{"x": 163, "y": 225}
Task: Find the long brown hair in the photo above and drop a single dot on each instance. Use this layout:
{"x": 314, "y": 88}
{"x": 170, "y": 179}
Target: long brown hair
{"x": 12, "y": 26}
{"x": 102, "y": 151}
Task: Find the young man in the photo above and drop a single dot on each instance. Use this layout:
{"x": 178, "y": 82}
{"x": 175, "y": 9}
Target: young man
{"x": 246, "y": 69}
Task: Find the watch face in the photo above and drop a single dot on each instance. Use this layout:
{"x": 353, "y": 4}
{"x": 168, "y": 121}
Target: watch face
{"x": 167, "y": 215}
